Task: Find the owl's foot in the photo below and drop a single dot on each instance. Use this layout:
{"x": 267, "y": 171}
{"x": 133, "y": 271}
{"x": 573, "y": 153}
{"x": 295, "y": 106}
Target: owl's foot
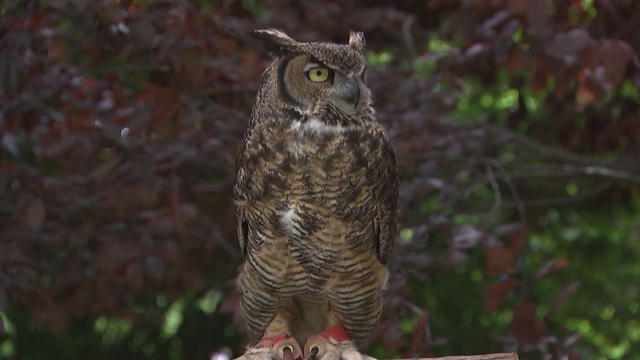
{"x": 332, "y": 344}
{"x": 282, "y": 347}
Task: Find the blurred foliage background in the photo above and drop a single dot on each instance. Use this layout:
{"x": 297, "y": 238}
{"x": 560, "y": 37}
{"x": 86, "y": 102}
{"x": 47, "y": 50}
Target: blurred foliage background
{"x": 516, "y": 124}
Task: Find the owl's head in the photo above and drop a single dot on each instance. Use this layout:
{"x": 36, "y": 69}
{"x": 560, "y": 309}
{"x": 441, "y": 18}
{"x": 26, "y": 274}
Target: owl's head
{"x": 312, "y": 75}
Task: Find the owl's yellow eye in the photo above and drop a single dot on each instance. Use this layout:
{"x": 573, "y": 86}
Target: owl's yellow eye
{"x": 318, "y": 74}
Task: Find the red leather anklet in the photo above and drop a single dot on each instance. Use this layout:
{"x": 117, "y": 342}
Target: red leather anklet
{"x": 272, "y": 339}
{"x": 337, "y": 332}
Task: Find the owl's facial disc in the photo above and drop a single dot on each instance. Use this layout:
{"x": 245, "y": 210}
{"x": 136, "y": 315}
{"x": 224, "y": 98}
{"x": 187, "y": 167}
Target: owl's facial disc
{"x": 304, "y": 81}
{"x": 307, "y": 82}
{"x": 341, "y": 90}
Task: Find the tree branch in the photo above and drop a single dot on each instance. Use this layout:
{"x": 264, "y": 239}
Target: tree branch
{"x": 500, "y": 356}
{"x": 589, "y": 166}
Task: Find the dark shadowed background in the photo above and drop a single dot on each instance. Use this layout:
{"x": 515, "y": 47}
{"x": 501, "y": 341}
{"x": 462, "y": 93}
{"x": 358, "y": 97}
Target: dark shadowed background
{"x": 517, "y": 129}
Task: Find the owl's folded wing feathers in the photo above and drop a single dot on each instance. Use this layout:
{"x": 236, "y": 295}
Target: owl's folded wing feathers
{"x": 386, "y": 193}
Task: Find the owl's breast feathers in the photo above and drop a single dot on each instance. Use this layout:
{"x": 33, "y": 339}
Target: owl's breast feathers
{"x": 326, "y": 190}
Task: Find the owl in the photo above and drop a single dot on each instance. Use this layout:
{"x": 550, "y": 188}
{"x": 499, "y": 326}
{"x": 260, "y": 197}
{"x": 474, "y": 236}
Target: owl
{"x": 316, "y": 197}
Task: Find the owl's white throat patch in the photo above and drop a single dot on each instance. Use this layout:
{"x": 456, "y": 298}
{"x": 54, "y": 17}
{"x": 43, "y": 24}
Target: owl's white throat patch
{"x": 318, "y": 126}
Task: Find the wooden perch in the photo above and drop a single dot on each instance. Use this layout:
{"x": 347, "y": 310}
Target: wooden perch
{"x": 500, "y": 356}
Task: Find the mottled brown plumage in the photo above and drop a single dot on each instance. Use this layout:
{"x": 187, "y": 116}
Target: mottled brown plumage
{"x": 316, "y": 194}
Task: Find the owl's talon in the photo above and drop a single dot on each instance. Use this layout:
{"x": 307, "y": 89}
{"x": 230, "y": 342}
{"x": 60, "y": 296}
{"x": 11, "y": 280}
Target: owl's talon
{"x": 313, "y": 353}
{"x": 281, "y": 347}
{"x": 314, "y": 347}
{"x": 287, "y": 353}
{"x": 332, "y": 344}
{"x": 288, "y": 349}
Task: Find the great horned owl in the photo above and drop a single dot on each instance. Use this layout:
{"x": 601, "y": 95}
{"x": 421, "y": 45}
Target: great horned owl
{"x": 317, "y": 203}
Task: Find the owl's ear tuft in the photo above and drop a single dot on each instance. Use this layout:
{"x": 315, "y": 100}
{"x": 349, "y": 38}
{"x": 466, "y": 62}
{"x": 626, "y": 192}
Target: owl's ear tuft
{"x": 275, "y": 41}
{"x": 357, "y": 41}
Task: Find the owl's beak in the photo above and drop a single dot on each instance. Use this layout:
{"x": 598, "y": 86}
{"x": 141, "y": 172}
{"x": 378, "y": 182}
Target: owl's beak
{"x": 350, "y": 91}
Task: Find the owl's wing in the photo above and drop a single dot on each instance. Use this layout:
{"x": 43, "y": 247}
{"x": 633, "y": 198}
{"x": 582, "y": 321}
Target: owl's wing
{"x": 242, "y": 227}
{"x": 241, "y": 190}
{"x": 386, "y": 193}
